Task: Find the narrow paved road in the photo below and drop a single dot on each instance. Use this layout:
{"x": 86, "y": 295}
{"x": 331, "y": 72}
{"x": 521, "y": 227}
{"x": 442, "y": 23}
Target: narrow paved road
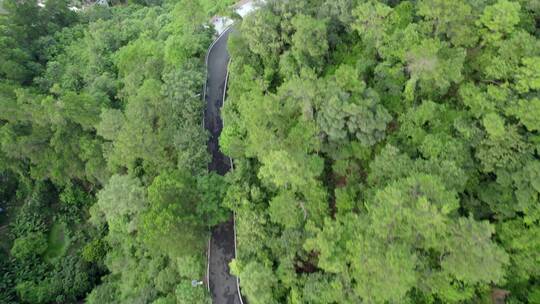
{"x": 222, "y": 284}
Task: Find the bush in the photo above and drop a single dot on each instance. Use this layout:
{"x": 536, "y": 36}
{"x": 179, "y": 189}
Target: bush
{"x": 94, "y": 251}
{"x": 187, "y": 294}
{"x": 31, "y": 292}
{"x": 31, "y": 245}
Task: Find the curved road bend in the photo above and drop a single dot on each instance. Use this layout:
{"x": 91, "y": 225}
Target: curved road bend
{"x": 222, "y": 284}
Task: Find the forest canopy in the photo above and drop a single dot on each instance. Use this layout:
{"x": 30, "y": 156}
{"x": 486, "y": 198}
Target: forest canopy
{"x": 384, "y": 151}
{"x": 105, "y": 195}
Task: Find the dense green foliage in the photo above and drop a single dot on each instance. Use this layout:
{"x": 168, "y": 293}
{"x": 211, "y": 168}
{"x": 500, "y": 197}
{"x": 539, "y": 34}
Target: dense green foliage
{"x": 386, "y": 151}
{"x": 104, "y": 191}
{"x": 217, "y": 6}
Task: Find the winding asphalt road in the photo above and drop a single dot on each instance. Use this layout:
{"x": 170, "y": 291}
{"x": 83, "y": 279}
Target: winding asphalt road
{"x": 223, "y": 285}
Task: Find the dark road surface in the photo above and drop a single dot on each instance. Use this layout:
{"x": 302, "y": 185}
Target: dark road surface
{"x": 222, "y": 284}
{"x": 218, "y": 58}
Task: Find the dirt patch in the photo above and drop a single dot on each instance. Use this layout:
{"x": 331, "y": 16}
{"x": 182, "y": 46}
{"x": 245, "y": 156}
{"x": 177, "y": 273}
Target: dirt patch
{"x": 307, "y": 266}
{"x": 498, "y": 296}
